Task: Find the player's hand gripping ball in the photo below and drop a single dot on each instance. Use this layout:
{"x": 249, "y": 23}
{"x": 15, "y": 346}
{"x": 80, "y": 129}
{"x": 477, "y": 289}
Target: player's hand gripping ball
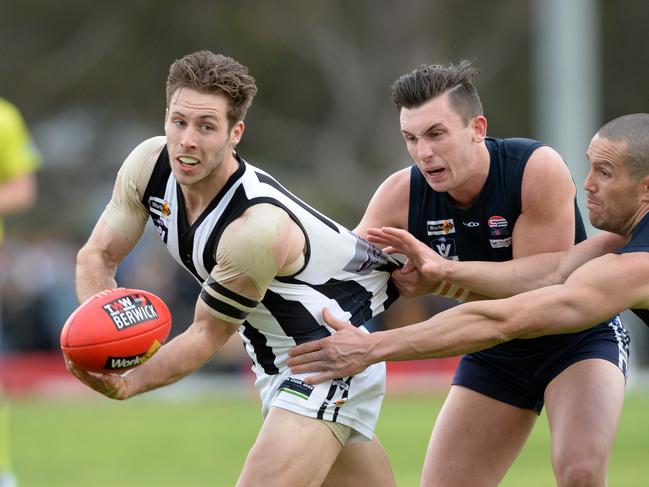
{"x": 116, "y": 330}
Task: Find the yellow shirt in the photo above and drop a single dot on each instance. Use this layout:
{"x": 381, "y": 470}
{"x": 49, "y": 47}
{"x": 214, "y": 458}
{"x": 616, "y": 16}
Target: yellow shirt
{"x": 18, "y": 153}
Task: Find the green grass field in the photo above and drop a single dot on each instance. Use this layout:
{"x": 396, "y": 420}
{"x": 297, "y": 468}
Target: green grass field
{"x": 156, "y": 441}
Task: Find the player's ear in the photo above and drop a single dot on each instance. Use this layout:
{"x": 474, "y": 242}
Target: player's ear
{"x": 237, "y": 132}
{"x": 644, "y": 189}
{"x": 479, "y": 126}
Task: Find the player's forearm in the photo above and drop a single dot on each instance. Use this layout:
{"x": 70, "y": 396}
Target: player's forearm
{"x": 94, "y": 272}
{"x": 504, "y": 279}
{"x": 180, "y": 357}
{"x": 447, "y": 334}
{"x": 475, "y": 326}
{"x": 171, "y": 363}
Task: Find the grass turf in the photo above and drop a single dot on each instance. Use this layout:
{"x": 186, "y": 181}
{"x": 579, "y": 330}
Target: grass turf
{"x": 201, "y": 441}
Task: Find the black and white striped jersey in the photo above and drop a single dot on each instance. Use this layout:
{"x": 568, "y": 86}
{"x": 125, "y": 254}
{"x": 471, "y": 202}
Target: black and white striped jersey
{"x": 342, "y": 271}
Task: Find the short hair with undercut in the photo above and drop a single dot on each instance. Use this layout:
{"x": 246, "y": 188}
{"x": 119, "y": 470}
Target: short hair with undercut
{"x": 429, "y": 81}
{"x": 633, "y": 131}
{"x": 214, "y": 73}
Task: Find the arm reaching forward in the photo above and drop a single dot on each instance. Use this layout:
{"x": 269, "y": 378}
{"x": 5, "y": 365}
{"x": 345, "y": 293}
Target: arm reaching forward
{"x": 586, "y": 298}
{"x": 495, "y": 279}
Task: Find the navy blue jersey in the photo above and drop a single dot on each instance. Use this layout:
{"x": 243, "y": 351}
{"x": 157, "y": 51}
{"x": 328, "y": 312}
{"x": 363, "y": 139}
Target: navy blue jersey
{"x": 639, "y": 243}
{"x": 483, "y": 231}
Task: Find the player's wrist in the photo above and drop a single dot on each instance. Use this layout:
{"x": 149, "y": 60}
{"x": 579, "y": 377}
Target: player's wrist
{"x": 447, "y": 270}
{"x": 124, "y": 388}
{"x": 376, "y": 351}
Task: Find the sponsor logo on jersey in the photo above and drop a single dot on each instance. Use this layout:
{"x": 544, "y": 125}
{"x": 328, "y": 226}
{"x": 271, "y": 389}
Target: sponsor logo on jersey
{"x": 445, "y": 247}
{"x": 130, "y": 310}
{"x": 115, "y": 363}
{"x": 368, "y": 258}
{"x": 497, "y": 224}
{"x": 296, "y": 387}
{"x": 161, "y": 228}
{"x": 471, "y": 224}
{"x": 159, "y": 207}
{"x": 440, "y": 227}
{"x": 340, "y": 383}
{"x": 500, "y": 243}
{"x": 160, "y": 210}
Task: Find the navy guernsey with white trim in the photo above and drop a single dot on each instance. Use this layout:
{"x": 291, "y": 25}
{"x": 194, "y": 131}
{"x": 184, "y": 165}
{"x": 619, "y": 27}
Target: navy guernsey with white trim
{"x": 639, "y": 243}
{"x": 484, "y": 230}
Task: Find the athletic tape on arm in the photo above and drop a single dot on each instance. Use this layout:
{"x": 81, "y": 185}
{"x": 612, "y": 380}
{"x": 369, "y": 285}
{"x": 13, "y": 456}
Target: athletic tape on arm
{"x": 125, "y": 212}
{"x": 245, "y": 250}
{"x": 453, "y": 292}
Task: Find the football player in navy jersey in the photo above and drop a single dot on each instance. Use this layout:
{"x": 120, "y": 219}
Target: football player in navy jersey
{"x": 472, "y": 197}
{"x": 268, "y": 263}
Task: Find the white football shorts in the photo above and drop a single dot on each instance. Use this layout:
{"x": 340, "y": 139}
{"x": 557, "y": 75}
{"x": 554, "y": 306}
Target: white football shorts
{"x": 352, "y": 401}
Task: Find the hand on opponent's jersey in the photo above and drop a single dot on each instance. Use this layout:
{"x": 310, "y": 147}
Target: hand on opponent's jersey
{"x": 429, "y": 263}
{"x": 424, "y": 269}
{"x": 339, "y": 355}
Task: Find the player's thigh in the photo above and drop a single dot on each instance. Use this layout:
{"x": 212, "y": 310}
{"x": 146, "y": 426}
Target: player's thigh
{"x": 290, "y": 449}
{"x": 583, "y": 405}
{"x": 361, "y": 464}
{"x": 475, "y": 439}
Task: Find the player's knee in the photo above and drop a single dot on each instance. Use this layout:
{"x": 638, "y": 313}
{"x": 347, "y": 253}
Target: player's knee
{"x": 580, "y": 472}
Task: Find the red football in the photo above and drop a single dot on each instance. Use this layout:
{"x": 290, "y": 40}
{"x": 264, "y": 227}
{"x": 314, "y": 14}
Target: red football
{"x": 116, "y": 330}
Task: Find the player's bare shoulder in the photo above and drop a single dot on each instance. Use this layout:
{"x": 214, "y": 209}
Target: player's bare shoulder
{"x": 125, "y": 213}
{"x": 389, "y": 205}
{"x": 396, "y": 185}
{"x": 546, "y": 164}
{"x": 262, "y": 243}
{"x": 139, "y": 164}
{"x": 547, "y": 185}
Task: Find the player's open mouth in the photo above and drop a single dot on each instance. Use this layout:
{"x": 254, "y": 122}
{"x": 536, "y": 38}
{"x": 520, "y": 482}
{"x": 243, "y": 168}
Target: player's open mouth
{"x": 436, "y": 172}
{"x": 188, "y": 161}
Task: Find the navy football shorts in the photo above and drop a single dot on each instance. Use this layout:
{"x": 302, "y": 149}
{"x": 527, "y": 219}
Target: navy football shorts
{"x": 517, "y": 372}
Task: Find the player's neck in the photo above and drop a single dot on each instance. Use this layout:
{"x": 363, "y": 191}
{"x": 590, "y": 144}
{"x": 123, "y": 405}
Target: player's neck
{"x": 199, "y": 195}
{"x": 476, "y": 176}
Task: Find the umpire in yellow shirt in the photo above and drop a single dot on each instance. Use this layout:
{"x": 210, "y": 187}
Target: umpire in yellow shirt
{"x": 19, "y": 159}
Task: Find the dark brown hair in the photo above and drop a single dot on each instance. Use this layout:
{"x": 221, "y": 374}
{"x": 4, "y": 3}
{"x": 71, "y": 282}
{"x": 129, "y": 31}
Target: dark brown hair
{"x": 429, "y": 81}
{"x": 214, "y": 73}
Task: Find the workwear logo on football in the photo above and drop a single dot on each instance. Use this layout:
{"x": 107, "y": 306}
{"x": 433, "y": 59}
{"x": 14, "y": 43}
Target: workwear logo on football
{"x": 116, "y": 363}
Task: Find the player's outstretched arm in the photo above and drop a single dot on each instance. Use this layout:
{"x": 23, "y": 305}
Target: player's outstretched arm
{"x": 585, "y": 299}
{"x": 339, "y": 355}
{"x": 496, "y": 279}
